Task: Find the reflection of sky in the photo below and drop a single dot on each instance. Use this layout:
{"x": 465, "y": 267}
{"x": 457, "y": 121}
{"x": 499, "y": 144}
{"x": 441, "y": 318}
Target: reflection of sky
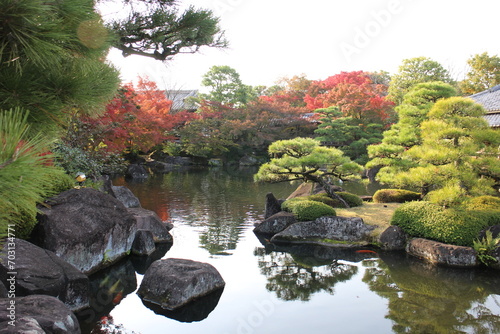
{"x": 247, "y": 307}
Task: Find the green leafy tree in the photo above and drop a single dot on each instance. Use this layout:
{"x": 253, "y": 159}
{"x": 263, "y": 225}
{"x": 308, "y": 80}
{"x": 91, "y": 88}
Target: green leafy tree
{"x": 225, "y": 86}
{"x": 347, "y": 133}
{"x": 304, "y": 159}
{"x": 157, "y": 29}
{"x": 483, "y": 74}
{"x": 406, "y": 132}
{"x": 413, "y": 71}
{"x": 457, "y": 156}
{"x": 51, "y": 55}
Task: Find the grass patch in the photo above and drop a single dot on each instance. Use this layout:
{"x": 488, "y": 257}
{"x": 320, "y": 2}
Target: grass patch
{"x": 376, "y": 214}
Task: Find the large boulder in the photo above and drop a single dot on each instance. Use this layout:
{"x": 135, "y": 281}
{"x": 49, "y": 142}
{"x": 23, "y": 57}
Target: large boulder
{"x": 276, "y": 223}
{"x": 38, "y": 311}
{"x": 334, "y": 230}
{"x": 86, "y": 228}
{"x": 39, "y": 271}
{"x": 136, "y": 171}
{"x": 442, "y": 254}
{"x": 173, "y": 283}
{"x": 149, "y": 220}
{"x": 273, "y": 205}
{"x": 126, "y": 196}
{"x": 144, "y": 243}
{"x": 393, "y": 238}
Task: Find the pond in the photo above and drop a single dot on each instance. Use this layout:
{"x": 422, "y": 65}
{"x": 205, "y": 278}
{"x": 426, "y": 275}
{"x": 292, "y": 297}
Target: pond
{"x": 283, "y": 289}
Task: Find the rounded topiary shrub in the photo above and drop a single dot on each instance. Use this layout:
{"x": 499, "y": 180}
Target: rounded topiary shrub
{"x": 483, "y": 203}
{"x": 305, "y": 210}
{"x": 395, "y": 196}
{"x": 323, "y": 198}
{"x": 452, "y": 226}
{"x": 351, "y": 199}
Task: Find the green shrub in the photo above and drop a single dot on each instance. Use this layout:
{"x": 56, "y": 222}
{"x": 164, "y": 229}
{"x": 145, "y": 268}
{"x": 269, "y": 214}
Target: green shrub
{"x": 323, "y": 198}
{"x": 305, "y": 210}
{"x": 453, "y": 226}
{"x": 485, "y": 248}
{"x": 483, "y": 203}
{"x": 351, "y": 199}
{"x": 395, "y": 196}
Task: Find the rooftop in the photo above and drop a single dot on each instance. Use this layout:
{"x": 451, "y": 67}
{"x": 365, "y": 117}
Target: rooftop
{"x": 490, "y": 99}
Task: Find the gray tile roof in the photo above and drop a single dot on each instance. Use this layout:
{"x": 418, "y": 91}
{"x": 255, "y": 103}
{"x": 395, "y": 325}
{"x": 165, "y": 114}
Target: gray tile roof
{"x": 490, "y": 100}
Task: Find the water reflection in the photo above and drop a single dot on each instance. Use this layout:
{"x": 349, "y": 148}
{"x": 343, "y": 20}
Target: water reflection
{"x": 428, "y": 299}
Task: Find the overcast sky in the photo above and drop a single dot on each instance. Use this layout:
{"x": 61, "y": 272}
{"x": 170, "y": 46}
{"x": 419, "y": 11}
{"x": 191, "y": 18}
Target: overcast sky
{"x": 319, "y": 38}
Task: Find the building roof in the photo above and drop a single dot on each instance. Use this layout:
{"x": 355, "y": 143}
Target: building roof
{"x": 490, "y": 100}
{"x": 178, "y": 98}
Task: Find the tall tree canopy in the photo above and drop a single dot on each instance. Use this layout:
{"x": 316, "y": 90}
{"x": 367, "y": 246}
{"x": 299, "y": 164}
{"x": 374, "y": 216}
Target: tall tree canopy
{"x": 484, "y": 73}
{"x": 51, "y": 60}
{"x": 413, "y": 71}
{"x": 355, "y": 94}
{"x": 457, "y": 156}
{"x": 157, "y": 29}
{"x": 225, "y": 86}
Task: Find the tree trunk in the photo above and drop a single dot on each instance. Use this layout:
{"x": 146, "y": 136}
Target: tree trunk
{"x": 328, "y": 188}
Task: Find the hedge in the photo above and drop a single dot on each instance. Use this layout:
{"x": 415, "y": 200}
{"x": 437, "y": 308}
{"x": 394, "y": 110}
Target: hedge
{"x": 395, "y": 196}
{"x": 455, "y": 226}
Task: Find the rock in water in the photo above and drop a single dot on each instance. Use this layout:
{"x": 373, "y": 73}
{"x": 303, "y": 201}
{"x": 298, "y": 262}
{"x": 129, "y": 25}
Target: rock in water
{"x": 276, "y": 223}
{"x": 86, "y": 228}
{"x": 173, "y": 283}
{"x": 46, "y": 312}
{"x": 40, "y": 271}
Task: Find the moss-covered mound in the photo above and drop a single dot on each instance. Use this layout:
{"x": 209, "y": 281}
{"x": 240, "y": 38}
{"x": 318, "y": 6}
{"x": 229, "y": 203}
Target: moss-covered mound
{"x": 483, "y": 203}
{"x": 456, "y": 226}
{"x": 305, "y": 210}
{"x": 395, "y": 196}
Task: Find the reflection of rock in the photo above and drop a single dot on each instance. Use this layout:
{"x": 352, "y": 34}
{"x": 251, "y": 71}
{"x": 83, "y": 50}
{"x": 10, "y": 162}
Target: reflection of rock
{"x": 49, "y": 312}
{"x": 439, "y": 253}
{"x": 142, "y": 263}
{"x": 276, "y": 223}
{"x": 337, "y": 231}
{"x": 197, "y": 310}
{"x": 107, "y": 288}
{"x": 173, "y": 283}
{"x": 393, "y": 238}
{"x": 40, "y": 271}
{"x": 86, "y": 228}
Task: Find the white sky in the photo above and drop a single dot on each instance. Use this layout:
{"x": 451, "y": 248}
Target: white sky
{"x": 320, "y": 38}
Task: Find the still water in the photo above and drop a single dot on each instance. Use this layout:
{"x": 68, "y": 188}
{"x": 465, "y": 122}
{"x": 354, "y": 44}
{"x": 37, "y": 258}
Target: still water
{"x": 284, "y": 290}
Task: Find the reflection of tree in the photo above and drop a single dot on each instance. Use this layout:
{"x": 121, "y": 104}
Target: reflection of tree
{"x": 293, "y": 281}
{"x": 429, "y": 299}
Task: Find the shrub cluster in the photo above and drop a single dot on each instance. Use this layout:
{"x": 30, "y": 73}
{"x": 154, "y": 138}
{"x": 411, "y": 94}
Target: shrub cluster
{"x": 395, "y": 196}
{"x": 351, "y": 199}
{"x": 483, "y": 203}
{"x": 456, "y": 226}
{"x": 306, "y": 210}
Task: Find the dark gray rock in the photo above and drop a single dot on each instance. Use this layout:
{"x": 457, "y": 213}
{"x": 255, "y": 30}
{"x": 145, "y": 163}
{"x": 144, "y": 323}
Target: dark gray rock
{"x": 126, "y": 196}
{"x": 161, "y": 167}
{"x": 276, "y": 223}
{"x": 495, "y": 231}
{"x": 443, "y": 254}
{"x": 144, "y": 243}
{"x": 136, "y": 171}
{"x": 40, "y": 271}
{"x": 339, "y": 231}
{"x": 173, "y": 283}
{"x": 273, "y": 205}
{"x": 3, "y": 291}
{"x": 393, "y": 238}
{"x": 49, "y": 312}
{"x": 248, "y": 160}
{"x": 86, "y": 228}
{"x": 24, "y": 325}
{"x": 149, "y": 220}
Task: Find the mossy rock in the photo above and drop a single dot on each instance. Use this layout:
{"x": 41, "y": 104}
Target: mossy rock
{"x": 306, "y": 210}
{"x": 395, "y": 196}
